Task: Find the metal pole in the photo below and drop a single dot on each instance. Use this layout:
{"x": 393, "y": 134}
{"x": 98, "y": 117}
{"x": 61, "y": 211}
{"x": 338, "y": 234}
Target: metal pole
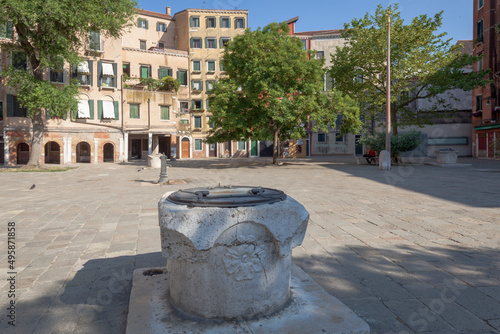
{"x": 388, "y": 94}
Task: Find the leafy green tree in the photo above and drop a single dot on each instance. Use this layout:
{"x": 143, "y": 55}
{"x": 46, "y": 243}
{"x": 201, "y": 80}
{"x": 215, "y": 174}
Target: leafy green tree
{"x": 53, "y": 33}
{"x": 273, "y": 90}
{"x": 423, "y": 66}
{"x": 399, "y": 144}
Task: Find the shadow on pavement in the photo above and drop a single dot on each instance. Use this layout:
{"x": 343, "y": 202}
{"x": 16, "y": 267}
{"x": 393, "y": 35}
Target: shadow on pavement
{"x": 408, "y": 289}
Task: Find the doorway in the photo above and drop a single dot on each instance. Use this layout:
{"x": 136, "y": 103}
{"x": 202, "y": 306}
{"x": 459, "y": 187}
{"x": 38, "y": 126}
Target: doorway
{"x": 108, "y": 153}
{"x": 212, "y": 150}
{"x": 136, "y": 149}
{"x": 164, "y": 145}
{"x": 359, "y": 146}
{"x": 185, "y": 148}
{"x": 52, "y": 153}
{"x": 23, "y": 153}
{"x": 254, "y": 148}
{"x": 83, "y": 152}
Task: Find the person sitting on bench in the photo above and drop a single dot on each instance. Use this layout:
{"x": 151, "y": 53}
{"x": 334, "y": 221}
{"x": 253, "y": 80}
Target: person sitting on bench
{"x": 370, "y": 157}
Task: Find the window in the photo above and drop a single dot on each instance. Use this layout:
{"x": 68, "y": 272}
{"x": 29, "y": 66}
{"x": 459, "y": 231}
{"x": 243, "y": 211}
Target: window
{"x": 107, "y": 109}
{"x": 479, "y": 31}
{"x": 210, "y": 65}
{"x": 184, "y": 121}
{"x": 221, "y": 66}
{"x": 164, "y": 72}
{"x": 196, "y": 65}
{"x": 321, "y": 137}
{"x": 304, "y": 42}
{"x": 95, "y": 40}
{"x": 194, "y": 22}
{"x": 126, "y": 69}
{"x": 164, "y": 113}
{"x": 198, "y": 144}
{"x": 196, "y": 85}
{"x": 1, "y": 110}
{"x": 225, "y": 22}
{"x": 207, "y": 104}
{"x": 13, "y": 107}
{"x": 19, "y": 60}
{"x": 107, "y": 74}
{"x": 227, "y": 146}
{"x": 210, "y": 85}
{"x": 85, "y": 109}
{"x": 242, "y": 145}
{"x": 240, "y": 23}
{"x": 224, "y": 41}
{"x": 480, "y": 64}
{"x": 142, "y": 45}
{"x": 211, "y": 22}
{"x": 211, "y": 43}
{"x": 161, "y": 26}
{"x": 145, "y": 71}
{"x": 197, "y": 104}
{"x": 480, "y": 4}
{"x": 134, "y": 111}
{"x": 184, "y": 106}
{"x": 182, "y": 77}
{"x": 56, "y": 75}
{"x": 161, "y": 45}
{"x": 142, "y": 23}
{"x": 339, "y": 137}
{"x": 196, "y": 43}
{"x": 197, "y": 122}
{"x": 6, "y": 30}
{"x": 211, "y": 123}
{"x": 320, "y": 55}
{"x": 479, "y": 103}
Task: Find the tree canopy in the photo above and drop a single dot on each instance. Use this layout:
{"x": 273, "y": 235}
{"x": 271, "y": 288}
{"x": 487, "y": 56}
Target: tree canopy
{"x": 273, "y": 89}
{"x": 53, "y": 33}
{"x": 423, "y": 65}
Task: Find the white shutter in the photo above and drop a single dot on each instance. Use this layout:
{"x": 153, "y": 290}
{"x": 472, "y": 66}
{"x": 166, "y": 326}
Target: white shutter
{"x": 83, "y": 109}
{"x": 108, "y": 109}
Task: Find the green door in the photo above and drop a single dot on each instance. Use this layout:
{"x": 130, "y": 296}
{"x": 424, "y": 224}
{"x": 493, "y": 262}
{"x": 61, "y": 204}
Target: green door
{"x": 254, "y": 151}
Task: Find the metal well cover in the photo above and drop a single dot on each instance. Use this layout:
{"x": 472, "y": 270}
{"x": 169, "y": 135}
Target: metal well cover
{"x": 226, "y": 196}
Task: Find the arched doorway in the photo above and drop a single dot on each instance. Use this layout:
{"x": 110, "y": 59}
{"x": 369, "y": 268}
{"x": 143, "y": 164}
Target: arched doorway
{"x": 83, "y": 152}
{"x": 52, "y": 153}
{"x": 185, "y": 148}
{"x": 23, "y": 153}
{"x": 108, "y": 153}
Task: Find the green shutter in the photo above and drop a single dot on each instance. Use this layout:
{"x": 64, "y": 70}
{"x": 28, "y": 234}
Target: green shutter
{"x": 193, "y": 105}
{"x": 115, "y": 71}
{"x": 10, "y": 105}
{"x": 244, "y": 24}
{"x": 147, "y": 24}
{"x": 191, "y": 43}
{"x": 169, "y": 72}
{"x": 229, "y": 22}
{"x": 157, "y": 26}
{"x": 91, "y": 68}
{"x": 138, "y": 23}
{"x": 201, "y": 85}
{"x": 1, "y": 112}
{"x": 91, "y": 109}
{"x": 191, "y": 21}
{"x": 201, "y": 104}
{"x": 99, "y": 73}
{"x": 99, "y": 109}
{"x": 117, "y": 110}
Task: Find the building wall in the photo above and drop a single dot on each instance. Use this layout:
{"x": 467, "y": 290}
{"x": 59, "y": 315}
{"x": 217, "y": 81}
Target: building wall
{"x": 184, "y": 35}
{"x": 486, "y": 100}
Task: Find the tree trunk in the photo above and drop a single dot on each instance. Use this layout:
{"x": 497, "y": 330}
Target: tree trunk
{"x": 275, "y": 147}
{"x": 35, "y": 159}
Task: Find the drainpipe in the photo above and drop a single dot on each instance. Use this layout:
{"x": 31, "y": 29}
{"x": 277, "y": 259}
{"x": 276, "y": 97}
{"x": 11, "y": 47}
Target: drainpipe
{"x": 149, "y": 114}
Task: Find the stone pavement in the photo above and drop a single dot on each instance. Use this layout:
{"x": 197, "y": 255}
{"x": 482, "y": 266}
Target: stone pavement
{"x": 411, "y": 250}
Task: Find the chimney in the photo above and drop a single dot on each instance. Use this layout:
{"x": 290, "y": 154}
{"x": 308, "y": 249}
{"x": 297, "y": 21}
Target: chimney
{"x": 168, "y": 10}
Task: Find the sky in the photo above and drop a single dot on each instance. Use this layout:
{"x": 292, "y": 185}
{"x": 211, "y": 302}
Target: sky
{"x": 331, "y": 14}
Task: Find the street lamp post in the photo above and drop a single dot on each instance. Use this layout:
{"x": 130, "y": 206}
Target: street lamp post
{"x": 388, "y": 94}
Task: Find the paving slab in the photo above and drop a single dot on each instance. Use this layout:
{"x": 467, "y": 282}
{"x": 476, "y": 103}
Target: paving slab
{"x": 434, "y": 232}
